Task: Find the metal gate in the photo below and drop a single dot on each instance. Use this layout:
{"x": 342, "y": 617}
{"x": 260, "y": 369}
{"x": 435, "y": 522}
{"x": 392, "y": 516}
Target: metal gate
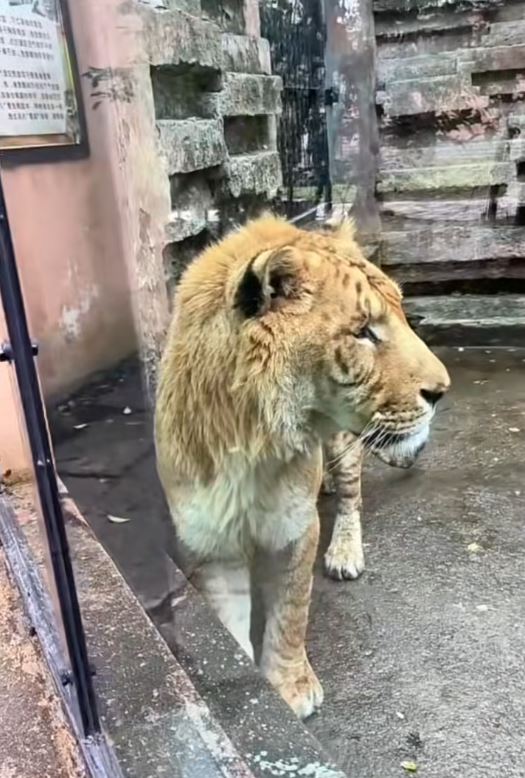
{"x": 296, "y": 32}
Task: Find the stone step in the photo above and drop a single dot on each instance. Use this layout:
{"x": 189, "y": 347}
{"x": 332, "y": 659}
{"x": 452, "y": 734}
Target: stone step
{"x": 476, "y": 150}
{"x": 505, "y": 34}
{"x": 175, "y": 38}
{"x": 482, "y": 60}
{"x": 431, "y": 95}
{"x": 416, "y": 67}
{"x": 192, "y": 198}
{"x": 247, "y": 94}
{"x": 258, "y": 173}
{"x": 469, "y": 320}
{"x": 455, "y": 176}
{"x": 426, "y": 24}
{"x": 242, "y": 54}
{"x": 426, "y": 212}
{"x": 427, "y": 6}
{"x": 186, "y": 222}
{"x": 191, "y": 144}
{"x": 446, "y": 252}
{"x": 495, "y": 84}
{"x": 432, "y": 179}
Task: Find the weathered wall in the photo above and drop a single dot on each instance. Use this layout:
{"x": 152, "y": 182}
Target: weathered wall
{"x": 68, "y": 232}
{"x": 451, "y": 83}
{"x": 180, "y": 108}
{"x": 215, "y": 106}
{"x": 181, "y": 125}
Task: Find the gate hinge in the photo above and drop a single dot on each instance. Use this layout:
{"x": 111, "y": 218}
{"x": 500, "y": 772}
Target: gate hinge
{"x": 6, "y": 352}
{"x": 331, "y": 96}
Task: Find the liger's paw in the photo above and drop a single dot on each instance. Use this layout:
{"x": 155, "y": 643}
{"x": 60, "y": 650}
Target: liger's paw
{"x": 299, "y": 687}
{"x": 344, "y": 560}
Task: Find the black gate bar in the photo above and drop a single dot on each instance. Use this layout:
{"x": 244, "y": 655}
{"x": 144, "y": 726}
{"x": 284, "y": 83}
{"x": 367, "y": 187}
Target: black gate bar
{"x": 20, "y": 351}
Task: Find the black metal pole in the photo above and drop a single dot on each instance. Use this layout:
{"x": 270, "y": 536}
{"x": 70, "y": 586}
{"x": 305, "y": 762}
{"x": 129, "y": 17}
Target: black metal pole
{"x": 20, "y": 351}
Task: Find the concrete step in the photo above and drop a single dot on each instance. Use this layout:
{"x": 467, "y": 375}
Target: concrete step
{"x": 258, "y": 173}
{"x": 458, "y": 252}
{"x": 399, "y": 158}
{"x": 242, "y": 54}
{"x": 192, "y": 144}
{"x": 454, "y": 177}
{"x": 249, "y": 94}
{"x": 469, "y": 320}
{"x": 178, "y": 39}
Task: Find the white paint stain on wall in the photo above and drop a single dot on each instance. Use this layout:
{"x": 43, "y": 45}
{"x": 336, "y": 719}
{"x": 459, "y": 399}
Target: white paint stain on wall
{"x": 71, "y": 316}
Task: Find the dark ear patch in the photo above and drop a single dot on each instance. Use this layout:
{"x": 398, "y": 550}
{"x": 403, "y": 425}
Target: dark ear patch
{"x": 249, "y": 298}
{"x": 283, "y": 285}
{"x": 269, "y": 283}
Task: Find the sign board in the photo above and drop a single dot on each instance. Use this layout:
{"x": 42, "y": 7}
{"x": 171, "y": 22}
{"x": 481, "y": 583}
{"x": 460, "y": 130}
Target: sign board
{"x": 38, "y": 101}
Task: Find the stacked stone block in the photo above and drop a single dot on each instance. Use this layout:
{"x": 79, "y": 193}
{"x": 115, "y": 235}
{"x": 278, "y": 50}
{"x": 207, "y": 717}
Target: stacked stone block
{"x": 216, "y": 106}
{"x": 451, "y": 88}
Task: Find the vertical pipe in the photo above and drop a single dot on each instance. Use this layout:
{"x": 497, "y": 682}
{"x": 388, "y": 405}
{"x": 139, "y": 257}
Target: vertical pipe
{"x": 353, "y": 131}
{"x": 21, "y": 353}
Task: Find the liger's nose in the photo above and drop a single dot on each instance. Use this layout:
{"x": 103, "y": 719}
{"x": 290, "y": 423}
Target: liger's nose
{"x": 432, "y": 396}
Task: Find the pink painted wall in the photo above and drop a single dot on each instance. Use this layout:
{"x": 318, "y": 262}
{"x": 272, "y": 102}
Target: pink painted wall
{"x": 13, "y": 448}
{"x": 65, "y": 223}
{"x": 71, "y": 265}
{"x": 79, "y": 227}
{"x": 89, "y": 234}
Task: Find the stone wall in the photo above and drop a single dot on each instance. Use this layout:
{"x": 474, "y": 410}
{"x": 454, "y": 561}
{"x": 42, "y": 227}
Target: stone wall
{"x": 451, "y": 83}
{"x": 216, "y": 104}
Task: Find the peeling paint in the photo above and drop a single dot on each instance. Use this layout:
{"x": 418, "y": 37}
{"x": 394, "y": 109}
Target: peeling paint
{"x": 71, "y": 317}
{"x": 111, "y": 84}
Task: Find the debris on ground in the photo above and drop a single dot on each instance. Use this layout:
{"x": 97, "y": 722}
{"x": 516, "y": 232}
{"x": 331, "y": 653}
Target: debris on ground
{"x": 117, "y": 519}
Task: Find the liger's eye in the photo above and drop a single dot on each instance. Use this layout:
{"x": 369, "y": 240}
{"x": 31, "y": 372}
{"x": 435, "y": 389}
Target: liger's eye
{"x": 367, "y": 333}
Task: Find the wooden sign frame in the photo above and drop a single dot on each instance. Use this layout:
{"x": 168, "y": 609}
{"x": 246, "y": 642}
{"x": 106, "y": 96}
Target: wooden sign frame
{"x": 44, "y": 146}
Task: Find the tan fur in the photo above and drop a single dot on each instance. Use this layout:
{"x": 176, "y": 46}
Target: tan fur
{"x": 344, "y": 558}
{"x": 246, "y": 398}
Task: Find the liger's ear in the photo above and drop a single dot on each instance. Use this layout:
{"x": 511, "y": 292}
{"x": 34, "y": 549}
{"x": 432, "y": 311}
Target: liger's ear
{"x": 269, "y": 281}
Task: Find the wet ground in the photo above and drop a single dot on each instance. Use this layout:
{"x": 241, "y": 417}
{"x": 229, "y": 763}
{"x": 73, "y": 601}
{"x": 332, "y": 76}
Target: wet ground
{"x": 422, "y": 658}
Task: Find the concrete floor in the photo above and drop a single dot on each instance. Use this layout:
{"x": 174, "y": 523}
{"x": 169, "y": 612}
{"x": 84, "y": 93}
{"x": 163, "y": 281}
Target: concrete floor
{"x": 422, "y": 658}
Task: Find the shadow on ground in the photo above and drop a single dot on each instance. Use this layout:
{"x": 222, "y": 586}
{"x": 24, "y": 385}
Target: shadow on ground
{"x": 422, "y": 658}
